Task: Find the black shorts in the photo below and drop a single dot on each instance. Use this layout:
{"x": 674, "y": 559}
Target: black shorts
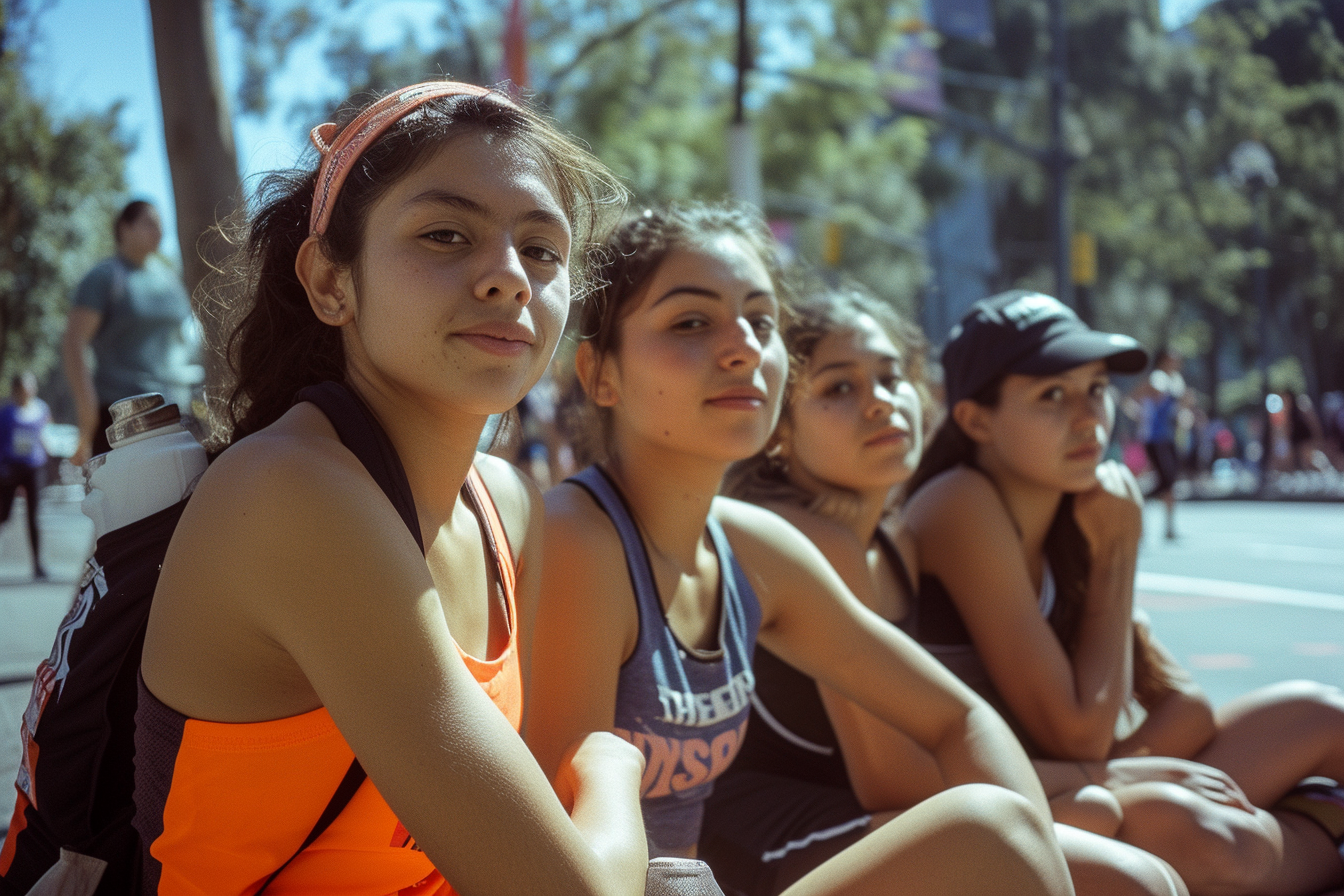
{"x": 1162, "y": 456}
{"x": 762, "y": 832}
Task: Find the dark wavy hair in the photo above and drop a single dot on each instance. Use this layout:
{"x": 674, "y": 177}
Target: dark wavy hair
{"x": 1066, "y": 549}
{"x": 275, "y": 344}
{"x": 623, "y": 266}
{"x": 761, "y": 478}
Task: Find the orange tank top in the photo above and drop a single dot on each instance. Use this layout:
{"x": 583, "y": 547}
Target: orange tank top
{"x": 220, "y": 806}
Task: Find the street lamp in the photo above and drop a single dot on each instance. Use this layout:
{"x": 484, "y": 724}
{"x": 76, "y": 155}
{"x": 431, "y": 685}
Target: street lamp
{"x": 1252, "y": 168}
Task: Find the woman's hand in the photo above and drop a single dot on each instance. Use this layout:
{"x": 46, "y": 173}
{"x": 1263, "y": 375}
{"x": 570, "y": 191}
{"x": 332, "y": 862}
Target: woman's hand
{"x": 1208, "y": 782}
{"x": 1111, "y": 512}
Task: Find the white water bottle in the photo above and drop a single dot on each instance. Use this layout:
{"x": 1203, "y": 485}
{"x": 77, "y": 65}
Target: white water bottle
{"x": 153, "y": 464}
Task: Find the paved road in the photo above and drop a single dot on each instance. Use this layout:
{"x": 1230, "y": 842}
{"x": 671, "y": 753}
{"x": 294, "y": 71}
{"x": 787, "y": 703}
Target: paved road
{"x": 1251, "y": 593}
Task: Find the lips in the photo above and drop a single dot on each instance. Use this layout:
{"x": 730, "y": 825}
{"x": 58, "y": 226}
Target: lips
{"x": 740, "y": 398}
{"x": 888, "y": 436}
{"x": 1090, "y": 451}
{"x": 498, "y": 337}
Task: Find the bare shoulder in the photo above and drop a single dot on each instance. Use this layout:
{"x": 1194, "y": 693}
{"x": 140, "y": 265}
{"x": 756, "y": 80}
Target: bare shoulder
{"x": 584, "y": 554}
{"x": 950, "y": 496}
{"x": 515, "y": 496}
{"x": 781, "y": 562}
{"x": 836, "y": 540}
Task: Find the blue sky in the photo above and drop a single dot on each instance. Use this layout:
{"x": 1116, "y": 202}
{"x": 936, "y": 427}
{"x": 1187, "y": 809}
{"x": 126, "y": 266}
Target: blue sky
{"x": 91, "y": 53}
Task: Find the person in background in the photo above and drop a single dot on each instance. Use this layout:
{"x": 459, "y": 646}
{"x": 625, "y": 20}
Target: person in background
{"x": 23, "y": 459}
{"x": 132, "y": 314}
{"x": 1159, "y": 398}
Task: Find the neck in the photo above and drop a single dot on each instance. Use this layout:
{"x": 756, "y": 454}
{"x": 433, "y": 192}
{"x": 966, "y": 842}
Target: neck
{"x": 669, "y": 494}
{"x": 436, "y": 448}
{"x": 859, "y": 511}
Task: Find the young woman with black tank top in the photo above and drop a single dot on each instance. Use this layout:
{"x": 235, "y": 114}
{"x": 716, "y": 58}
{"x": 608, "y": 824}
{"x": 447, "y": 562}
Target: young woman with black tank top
{"x": 420, "y": 268}
{"x": 657, "y": 590}
{"x": 817, "y": 773}
{"x": 1028, "y": 544}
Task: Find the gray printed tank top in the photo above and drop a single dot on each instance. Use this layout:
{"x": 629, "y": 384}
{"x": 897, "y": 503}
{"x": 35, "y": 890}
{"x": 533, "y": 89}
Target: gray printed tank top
{"x": 687, "y": 710}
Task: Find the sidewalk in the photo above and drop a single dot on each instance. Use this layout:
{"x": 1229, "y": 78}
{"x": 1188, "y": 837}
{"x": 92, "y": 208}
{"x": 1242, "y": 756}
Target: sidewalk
{"x": 31, "y": 611}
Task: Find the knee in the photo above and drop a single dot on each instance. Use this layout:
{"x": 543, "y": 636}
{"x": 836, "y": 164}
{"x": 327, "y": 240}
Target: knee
{"x": 1091, "y": 808}
{"x": 998, "y": 821}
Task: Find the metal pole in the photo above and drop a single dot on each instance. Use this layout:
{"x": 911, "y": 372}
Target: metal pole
{"x": 1057, "y": 155}
{"x": 743, "y": 63}
{"x": 1260, "y": 286}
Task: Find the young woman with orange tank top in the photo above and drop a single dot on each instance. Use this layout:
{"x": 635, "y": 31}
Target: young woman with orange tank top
{"x": 422, "y": 269}
{"x": 657, "y": 590}
{"x": 818, "y": 773}
{"x": 1028, "y": 542}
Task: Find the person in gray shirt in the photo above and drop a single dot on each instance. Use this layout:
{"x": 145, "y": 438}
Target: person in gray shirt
{"x": 133, "y": 315}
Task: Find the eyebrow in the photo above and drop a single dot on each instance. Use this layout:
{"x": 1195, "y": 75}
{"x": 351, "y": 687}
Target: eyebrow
{"x": 541, "y": 216}
{"x": 708, "y": 294}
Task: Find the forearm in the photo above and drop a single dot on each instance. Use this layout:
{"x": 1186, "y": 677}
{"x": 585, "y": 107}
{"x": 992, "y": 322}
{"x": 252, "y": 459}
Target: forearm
{"x": 607, "y": 815}
{"x": 1180, "y": 725}
{"x": 1103, "y": 659}
{"x": 82, "y": 391}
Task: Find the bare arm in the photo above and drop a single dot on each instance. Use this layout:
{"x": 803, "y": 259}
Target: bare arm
{"x": 1068, "y": 705}
{"x": 1180, "y": 722}
{"x": 811, "y": 620}
{"x": 81, "y": 324}
{"x": 323, "y": 598}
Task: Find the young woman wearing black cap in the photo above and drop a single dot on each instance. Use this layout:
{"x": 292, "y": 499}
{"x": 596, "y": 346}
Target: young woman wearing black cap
{"x": 1028, "y": 545}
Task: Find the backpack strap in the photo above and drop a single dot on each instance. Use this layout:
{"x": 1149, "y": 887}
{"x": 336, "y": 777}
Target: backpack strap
{"x": 360, "y": 432}
{"x": 345, "y": 791}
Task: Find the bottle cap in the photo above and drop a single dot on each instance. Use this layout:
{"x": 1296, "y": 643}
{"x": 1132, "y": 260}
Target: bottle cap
{"x": 140, "y": 414}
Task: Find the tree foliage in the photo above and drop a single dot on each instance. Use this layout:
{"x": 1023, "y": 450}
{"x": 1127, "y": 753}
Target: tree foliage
{"x": 650, "y": 87}
{"x": 1152, "y": 120}
{"x": 60, "y": 186}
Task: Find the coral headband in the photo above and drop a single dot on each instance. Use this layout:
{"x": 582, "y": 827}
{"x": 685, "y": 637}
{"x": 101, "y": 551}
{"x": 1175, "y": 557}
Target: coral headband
{"x": 340, "y": 151}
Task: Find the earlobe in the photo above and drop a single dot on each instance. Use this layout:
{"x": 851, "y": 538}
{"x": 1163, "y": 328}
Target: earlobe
{"x": 322, "y": 280}
{"x": 972, "y": 418}
{"x": 593, "y": 375}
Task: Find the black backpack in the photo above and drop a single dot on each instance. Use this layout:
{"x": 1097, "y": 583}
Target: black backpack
{"x": 76, "y": 775}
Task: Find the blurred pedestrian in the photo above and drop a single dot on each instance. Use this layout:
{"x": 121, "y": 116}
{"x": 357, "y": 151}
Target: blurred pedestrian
{"x": 133, "y": 312}
{"x": 23, "y": 459}
{"x": 1159, "y": 398}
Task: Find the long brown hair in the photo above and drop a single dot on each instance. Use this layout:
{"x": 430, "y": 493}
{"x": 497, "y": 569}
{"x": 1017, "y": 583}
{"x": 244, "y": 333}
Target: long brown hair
{"x": 763, "y": 477}
{"x": 275, "y": 344}
{"x": 1066, "y": 550}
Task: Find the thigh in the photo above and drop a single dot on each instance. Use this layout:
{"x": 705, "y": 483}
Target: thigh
{"x": 1273, "y": 737}
{"x": 762, "y": 832}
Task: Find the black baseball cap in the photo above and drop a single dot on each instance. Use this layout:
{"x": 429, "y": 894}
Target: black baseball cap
{"x": 1026, "y": 332}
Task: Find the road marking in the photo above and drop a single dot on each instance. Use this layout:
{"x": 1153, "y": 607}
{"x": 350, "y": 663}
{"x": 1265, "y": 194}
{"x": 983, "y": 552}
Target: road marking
{"x": 1163, "y": 583}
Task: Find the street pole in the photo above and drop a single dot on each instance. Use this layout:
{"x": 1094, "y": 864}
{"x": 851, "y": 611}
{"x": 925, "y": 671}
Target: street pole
{"x": 1057, "y": 156}
{"x": 1260, "y": 285}
{"x": 1252, "y": 167}
{"x": 744, "y": 163}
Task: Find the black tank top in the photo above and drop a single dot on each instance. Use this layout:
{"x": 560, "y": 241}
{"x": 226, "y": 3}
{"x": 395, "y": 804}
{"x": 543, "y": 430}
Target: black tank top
{"x": 790, "y": 733}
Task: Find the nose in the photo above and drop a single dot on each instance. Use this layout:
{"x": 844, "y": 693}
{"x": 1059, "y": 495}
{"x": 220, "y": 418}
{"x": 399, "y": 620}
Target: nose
{"x": 881, "y": 403}
{"x": 503, "y": 276}
{"x": 742, "y": 347}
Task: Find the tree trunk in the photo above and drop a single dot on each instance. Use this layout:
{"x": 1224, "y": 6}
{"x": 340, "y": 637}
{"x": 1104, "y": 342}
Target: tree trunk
{"x": 199, "y": 135}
